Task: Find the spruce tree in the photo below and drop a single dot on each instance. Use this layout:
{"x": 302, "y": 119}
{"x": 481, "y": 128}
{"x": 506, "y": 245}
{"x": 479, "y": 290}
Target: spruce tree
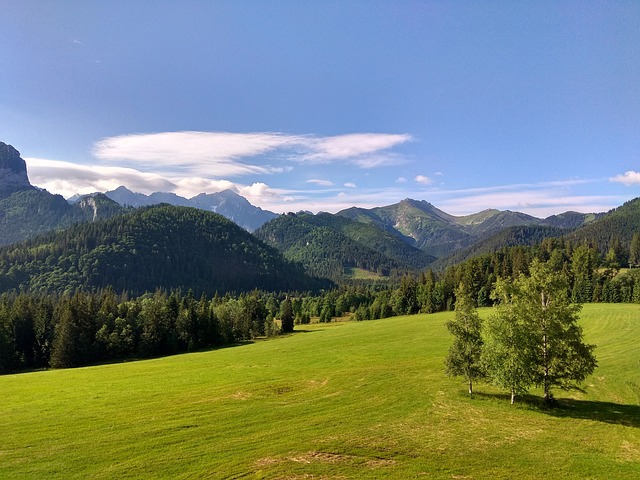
{"x": 286, "y": 316}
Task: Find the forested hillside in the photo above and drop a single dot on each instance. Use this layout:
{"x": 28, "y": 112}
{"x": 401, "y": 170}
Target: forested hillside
{"x": 509, "y": 237}
{"x": 152, "y": 247}
{"x": 27, "y": 213}
{"x": 328, "y": 245}
{"x": 614, "y": 229}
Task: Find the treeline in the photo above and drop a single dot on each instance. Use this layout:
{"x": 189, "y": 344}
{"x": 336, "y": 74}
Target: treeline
{"x": 591, "y": 277}
{"x": 40, "y": 331}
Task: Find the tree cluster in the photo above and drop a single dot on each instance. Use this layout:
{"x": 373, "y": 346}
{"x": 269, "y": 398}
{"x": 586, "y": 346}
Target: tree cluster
{"x": 533, "y": 338}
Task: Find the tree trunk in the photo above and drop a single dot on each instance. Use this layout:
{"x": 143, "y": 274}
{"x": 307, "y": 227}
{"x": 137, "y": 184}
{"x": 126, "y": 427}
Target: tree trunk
{"x": 545, "y": 350}
{"x": 513, "y": 396}
{"x": 470, "y": 387}
{"x": 545, "y": 380}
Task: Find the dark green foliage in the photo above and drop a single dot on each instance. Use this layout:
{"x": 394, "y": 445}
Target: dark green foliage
{"x": 522, "y": 235}
{"x": 373, "y": 237}
{"x": 463, "y": 358}
{"x": 421, "y": 224}
{"x": 39, "y": 331}
{"x": 286, "y": 316}
{"x": 418, "y": 222}
{"x": 327, "y": 246}
{"x": 155, "y": 247}
{"x": 30, "y": 212}
{"x": 534, "y": 337}
{"x": 614, "y": 229}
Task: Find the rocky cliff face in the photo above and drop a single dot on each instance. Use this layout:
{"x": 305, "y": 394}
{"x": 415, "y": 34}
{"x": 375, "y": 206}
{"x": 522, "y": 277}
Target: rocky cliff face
{"x": 13, "y": 171}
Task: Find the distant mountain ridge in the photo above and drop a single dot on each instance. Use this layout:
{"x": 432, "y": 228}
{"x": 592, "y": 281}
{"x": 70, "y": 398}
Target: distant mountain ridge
{"x": 440, "y": 234}
{"x": 227, "y": 203}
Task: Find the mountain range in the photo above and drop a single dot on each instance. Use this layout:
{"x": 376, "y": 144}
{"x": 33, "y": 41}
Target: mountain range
{"x": 227, "y": 203}
{"x": 440, "y": 234}
{"x": 386, "y": 241}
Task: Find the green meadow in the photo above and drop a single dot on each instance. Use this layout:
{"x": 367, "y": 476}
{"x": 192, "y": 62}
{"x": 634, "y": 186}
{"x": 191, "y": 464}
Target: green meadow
{"x": 341, "y": 400}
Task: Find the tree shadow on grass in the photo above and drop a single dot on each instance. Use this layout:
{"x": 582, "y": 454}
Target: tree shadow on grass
{"x": 606, "y": 412}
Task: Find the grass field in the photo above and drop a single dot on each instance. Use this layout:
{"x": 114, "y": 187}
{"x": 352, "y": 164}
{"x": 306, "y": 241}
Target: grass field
{"x": 361, "y": 274}
{"x": 344, "y": 400}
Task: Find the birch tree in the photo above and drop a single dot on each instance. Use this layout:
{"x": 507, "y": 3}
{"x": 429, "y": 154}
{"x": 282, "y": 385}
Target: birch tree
{"x": 463, "y": 358}
{"x": 507, "y": 354}
{"x": 563, "y": 360}
{"x": 534, "y": 337}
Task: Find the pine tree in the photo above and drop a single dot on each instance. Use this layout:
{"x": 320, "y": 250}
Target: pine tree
{"x": 286, "y": 316}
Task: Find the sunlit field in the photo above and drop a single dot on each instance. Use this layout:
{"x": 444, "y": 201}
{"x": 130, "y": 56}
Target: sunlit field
{"x": 342, "y": 400}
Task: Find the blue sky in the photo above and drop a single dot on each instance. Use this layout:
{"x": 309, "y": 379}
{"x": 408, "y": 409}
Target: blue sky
{"x": 323, "y": 105}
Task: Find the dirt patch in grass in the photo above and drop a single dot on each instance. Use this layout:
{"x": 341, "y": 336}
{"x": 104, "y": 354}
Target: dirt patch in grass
{"x": 322, "y": 457}
{"x": 328, "y": 458}
{"x": 629, "y": 452}
{"x": 380, "y": 462}
{"x": 240, "y": 395}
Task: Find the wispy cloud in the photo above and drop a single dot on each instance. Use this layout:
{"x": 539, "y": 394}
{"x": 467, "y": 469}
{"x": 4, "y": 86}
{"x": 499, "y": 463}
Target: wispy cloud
{"x": 628, "y": 178}
{"x": 215, "y": 154}
{"x": 225, "y": 154}
{"x": 322, "y": 183}
{"x": 367, "y": 150}
{"x": 538, "y": 199}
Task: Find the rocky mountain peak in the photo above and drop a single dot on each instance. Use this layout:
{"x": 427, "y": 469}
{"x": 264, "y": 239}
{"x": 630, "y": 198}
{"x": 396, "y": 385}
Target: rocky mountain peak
{"x": 13, "y": 171}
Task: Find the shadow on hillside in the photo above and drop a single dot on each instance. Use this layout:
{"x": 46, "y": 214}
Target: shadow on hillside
{"x": 606, "y": 412}
{"x": 239, "y": 343}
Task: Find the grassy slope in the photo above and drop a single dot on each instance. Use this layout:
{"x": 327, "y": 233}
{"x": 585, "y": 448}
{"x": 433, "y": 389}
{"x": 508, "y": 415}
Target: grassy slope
{"x": 352, "y": 400}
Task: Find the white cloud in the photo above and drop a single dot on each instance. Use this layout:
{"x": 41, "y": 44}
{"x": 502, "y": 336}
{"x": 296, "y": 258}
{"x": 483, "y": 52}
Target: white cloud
{"x": 401, "y": 180}
{"x": 629, "y": 178}
{"x": 214, "y": 154}
{"x": 423, "y": 180}
{"x": 192, "y": 186}
{"x": 350, "y": 185}
{"x": 539, "y": 200}
{"x": 220, "y": 154}
{"x": 366, "y": 150}
{"x": 68, "y": 178}
{"x": 322, "y": 183}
